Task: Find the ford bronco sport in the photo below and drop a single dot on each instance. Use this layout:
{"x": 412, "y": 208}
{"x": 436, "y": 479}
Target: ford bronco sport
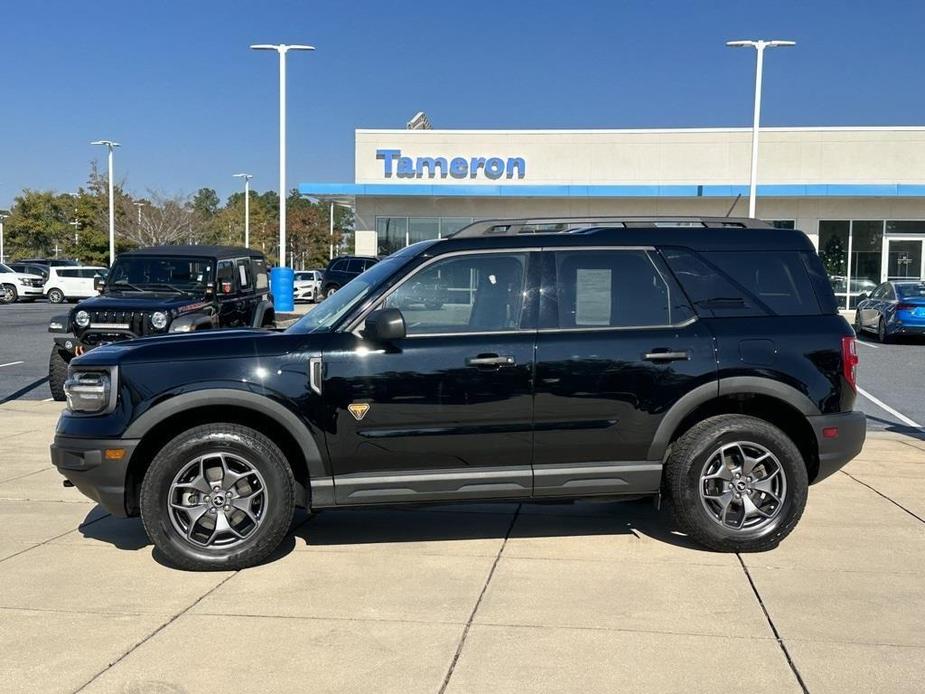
{"x": 164, "y": 289}
{"x": 702, "y": 361}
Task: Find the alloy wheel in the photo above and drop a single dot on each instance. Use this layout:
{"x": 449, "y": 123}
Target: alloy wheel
{"x": 9, "y": 295}
{"x": 743, "y": 486}
{"x": 217, "y": 500}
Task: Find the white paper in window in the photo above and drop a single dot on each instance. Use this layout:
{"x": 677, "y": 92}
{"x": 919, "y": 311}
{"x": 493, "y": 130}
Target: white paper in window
{"x": 592, "y": 296}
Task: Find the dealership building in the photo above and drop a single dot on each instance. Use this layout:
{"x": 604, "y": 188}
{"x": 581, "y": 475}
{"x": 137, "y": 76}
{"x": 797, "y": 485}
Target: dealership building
{"x": 858, "y": 193}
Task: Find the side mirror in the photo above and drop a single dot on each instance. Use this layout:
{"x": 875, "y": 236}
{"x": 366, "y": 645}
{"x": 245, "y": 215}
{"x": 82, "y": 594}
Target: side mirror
{"x": 98, "y": 284}
{"x": 210, "y": 289}
{"x": 385, "y": 325}
{"x": 863, "y": 296}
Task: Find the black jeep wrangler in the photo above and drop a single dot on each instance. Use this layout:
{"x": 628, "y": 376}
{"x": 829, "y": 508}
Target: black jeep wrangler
{"x": 166, "y": 289}
{"x": 702, "y": 361}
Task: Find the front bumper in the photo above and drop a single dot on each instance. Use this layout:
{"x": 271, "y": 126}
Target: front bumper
{"x": 304, "y": 293}
{"x": 82, "y": 461}
{"x": 30, "y": 292}
{"x": 835, "y": 453}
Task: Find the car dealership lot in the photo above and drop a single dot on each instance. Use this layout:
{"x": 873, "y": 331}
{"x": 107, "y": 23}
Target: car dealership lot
{"x": 487, "y": 597}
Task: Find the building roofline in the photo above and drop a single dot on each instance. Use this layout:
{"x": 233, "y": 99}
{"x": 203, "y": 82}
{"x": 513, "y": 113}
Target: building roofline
{"x": 642, "y": 131}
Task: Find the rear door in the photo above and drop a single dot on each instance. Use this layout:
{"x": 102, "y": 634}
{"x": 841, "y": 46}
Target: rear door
{"x": 618, "y": 345}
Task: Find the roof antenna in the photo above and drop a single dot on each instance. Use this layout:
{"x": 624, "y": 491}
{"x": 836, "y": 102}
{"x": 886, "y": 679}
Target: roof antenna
{"x": 734, "y": 203}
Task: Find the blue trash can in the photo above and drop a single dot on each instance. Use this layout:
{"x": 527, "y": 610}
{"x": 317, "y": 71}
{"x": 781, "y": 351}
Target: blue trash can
{"x": 281, "y": 279}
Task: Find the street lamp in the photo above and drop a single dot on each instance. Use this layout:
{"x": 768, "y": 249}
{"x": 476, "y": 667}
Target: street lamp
{"x": 759, "y": 47}
{"x": 247, "y": 206}
{"x": 138, "y": 206}
{"x": 110, "y": 145}
{"x": 282, "y": 49}
{"x": 3, "y": 215}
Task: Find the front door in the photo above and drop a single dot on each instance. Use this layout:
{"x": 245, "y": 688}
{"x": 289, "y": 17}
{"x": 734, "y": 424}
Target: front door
{"x": 617, "y": 346}
{"x": 904, "y": 259}
{"x": 446, "y": 412}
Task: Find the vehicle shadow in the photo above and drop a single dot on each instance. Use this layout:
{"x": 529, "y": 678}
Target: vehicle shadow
{"x": 433, "y": 523}
{"x": 891, "y": 426}
{"x": 426, "y": 523}
{"x": 129, "y": 534}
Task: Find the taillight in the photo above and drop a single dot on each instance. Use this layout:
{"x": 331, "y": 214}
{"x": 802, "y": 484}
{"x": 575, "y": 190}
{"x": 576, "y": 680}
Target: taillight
{"x": 849, "y": 361}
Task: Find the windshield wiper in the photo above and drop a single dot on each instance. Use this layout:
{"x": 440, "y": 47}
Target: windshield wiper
{"x": 124, "y": 283}
{"x": 170, "y": 287}
{"x": 722, "y": 302}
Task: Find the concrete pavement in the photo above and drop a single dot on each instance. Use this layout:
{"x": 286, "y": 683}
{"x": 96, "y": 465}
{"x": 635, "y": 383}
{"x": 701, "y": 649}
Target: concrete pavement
{"x": 481, "y": 598}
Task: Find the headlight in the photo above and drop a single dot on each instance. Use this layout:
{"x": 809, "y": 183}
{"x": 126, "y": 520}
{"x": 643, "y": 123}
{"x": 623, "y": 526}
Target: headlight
{"x": 88, "y": 391}
{"x": 82, "y": 318}
{"x": 159, "y": 320}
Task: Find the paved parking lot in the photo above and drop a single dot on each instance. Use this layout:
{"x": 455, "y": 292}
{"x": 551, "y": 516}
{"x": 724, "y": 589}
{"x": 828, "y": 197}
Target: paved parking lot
{"x": 479, "y": 598}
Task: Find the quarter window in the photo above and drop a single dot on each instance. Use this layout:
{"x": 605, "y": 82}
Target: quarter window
{"x": 614, "y": 289}
{"x": 244, "y": 275}
{"x": 464, "y": 294}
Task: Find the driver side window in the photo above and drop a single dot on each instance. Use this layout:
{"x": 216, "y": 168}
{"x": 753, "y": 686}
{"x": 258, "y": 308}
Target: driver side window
{"x": 464, "y": 294}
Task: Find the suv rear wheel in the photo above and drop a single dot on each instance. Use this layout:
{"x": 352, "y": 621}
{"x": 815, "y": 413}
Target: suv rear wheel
{"x": 736, "y": 484}
{"x": 218, "y": 497}
{"x": 55, "y": 296}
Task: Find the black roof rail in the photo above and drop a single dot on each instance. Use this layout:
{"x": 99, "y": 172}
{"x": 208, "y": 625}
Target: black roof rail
{"x": 560, "y": 225}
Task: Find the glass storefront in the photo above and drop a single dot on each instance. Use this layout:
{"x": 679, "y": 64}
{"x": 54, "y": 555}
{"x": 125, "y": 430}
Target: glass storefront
{"x": 860, "y": 254}
{"x": 395, "y": 233}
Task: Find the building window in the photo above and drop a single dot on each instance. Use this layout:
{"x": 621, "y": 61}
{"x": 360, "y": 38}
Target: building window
{"x": 395, "y": 233}
{"x": 852, "y": 252}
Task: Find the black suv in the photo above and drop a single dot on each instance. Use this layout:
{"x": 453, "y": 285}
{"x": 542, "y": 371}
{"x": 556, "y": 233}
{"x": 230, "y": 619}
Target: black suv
{"x": 704, "y": 364}
{"x": 165, "y": 289}
{"x": 342, "y": 270}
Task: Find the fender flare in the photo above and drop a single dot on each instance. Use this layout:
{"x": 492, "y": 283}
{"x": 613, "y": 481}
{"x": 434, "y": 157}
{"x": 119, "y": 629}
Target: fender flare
{"x": 191, "y": 322}
{"x": 239, "y": 398}
{"x": 715, "y": 389}
{"x": 262, "y": 308}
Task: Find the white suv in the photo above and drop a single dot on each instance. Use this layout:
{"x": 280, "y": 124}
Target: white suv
{"x": 16, "y": 286}
{"x": 72, "y": 282}
{"x": 307, "y": 285}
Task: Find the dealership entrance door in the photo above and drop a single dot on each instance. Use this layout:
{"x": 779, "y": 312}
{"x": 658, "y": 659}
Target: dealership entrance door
{"x": 904, "y": 258}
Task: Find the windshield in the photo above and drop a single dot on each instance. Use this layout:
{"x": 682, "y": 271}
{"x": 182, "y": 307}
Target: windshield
{"x": 332, "y": 309}
{"x": 910, "y": 290}
{"x": 153, "y": 273}
{"x": 5, "y": 268}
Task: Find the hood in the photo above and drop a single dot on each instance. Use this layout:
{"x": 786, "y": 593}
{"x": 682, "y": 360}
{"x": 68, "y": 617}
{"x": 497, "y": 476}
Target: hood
{"x": 23, "y": 276}
{"x": 207, "y": 344}
{"x": 138, "y": 301}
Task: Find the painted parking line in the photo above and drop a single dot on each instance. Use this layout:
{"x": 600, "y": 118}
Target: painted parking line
{"x": 867, "y": 344}
{"x": 882, "y": 405}
{"x": 11, "y": 363}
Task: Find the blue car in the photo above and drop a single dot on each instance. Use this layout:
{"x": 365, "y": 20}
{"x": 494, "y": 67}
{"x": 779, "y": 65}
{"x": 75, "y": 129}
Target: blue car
{"x": 894, "y": 308}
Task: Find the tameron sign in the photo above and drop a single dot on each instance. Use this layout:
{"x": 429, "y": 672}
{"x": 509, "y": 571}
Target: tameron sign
{"x": 398, "y": 166}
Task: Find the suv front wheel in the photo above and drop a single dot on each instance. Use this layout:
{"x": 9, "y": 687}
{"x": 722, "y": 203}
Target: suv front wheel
{"x": 218, "y": 497}
{"x": 736, "y": 484}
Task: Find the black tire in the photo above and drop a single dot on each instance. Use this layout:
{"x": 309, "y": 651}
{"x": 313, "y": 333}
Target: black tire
{"x": 690, "y": 455}
{"x": 330, "y": 290}
{"x": 8, "y": 294}
{"x": 858, "y": 328}
{"x": 261, "y": 453}
{"x": 56, "y": 296}
{"x": 57, "y": 373}
{"x": 882, "y": 335}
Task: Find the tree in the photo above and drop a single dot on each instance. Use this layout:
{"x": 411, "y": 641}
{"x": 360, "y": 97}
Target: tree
{"x": 165, "y": 220}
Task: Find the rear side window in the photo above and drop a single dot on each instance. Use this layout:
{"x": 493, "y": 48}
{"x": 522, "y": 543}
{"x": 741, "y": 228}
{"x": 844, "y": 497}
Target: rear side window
{"x": 260, "y": 273}
{"x": 712, "y": 293}
{"x": 339, "y": 266}
{"x": 778, "y": 279}
{"x": 614, "y": 289}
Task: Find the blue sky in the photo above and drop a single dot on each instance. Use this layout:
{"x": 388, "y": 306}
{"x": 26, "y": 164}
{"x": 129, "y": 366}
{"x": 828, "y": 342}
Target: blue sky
{"x": 175, "y": 83}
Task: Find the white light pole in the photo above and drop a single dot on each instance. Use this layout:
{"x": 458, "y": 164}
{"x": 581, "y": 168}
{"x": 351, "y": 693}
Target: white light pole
{"x": 282, "y": 49}
{"x": 247, "y": 206}
{"x": 138, "y": 206}
{"x": 759, "y": 47}
{"x": 110, "y": 145}
{"x": 3, "y": 215}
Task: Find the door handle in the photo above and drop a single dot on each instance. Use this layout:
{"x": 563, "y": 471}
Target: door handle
{"x": 664, "y": 355}
{"x": 497, "y": 360}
